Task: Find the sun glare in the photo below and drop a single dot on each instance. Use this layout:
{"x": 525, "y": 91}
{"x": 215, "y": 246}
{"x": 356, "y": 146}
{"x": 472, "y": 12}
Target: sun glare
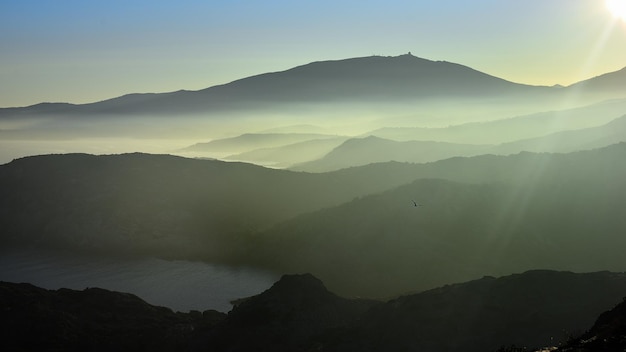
{"x": 617, "y": 8}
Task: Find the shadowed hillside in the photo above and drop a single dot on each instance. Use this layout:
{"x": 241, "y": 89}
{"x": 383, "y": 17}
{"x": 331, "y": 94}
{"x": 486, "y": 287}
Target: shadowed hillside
{"x": 160, "y": 205}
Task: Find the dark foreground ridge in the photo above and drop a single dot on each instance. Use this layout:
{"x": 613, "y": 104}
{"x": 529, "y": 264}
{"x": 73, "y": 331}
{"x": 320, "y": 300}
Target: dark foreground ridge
{"x": 529, "y": 310}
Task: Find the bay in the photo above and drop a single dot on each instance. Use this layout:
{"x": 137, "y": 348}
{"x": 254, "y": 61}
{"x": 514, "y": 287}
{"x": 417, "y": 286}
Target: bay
{"x": 177, "y": 284}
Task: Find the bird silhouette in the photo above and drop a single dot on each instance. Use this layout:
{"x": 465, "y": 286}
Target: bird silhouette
{"x": 415, "y": 204}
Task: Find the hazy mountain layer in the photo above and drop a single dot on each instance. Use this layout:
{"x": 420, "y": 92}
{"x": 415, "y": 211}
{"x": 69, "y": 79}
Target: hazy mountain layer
{"x": 363, "y": 151}
{"x": 347, "y": 97}
{"x": 511, "y": 129}
{"x": 525, "y": 211}
{"x": 158, "y": 204}
{"x": 481, "y": 215}
{"x": 288, "y": 155}
{"x": 570, "y": 141}
{"x": 252, "y": 141}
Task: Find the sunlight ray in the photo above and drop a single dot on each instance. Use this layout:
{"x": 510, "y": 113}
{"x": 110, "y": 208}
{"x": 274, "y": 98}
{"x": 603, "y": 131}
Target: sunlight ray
{"x": 573, "y": 98}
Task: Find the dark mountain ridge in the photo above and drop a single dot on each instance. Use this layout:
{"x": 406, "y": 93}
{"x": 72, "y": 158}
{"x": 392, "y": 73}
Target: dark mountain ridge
{"x": 531, "y": 309}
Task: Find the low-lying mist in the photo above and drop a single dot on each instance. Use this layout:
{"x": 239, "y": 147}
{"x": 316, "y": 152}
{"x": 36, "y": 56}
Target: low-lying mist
{"x": 435, "y": 119}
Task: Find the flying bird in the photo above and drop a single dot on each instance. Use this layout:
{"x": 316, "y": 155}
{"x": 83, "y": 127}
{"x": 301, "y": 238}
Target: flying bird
{"x": 417, "y": 205}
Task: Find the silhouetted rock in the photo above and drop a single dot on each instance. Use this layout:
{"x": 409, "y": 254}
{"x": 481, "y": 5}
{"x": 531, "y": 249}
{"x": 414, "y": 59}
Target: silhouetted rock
{"x": 607, "y": 334}
{"x": 289, "y": 316}
{"x": 93, "y": 319}
{"x": 533, "y": 309}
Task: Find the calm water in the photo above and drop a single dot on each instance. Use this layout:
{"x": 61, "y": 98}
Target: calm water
{"x": 177, "y": 284}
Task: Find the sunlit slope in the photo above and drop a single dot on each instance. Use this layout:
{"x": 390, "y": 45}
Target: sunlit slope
{"x": 521, "y": 212}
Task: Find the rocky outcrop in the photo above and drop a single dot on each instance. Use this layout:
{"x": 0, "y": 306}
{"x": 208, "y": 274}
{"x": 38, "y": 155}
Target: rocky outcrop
{"x": 607, "y": 334}
{"x": 529, "y": 310}
{"x": 93, "y": 319}
{"x": 533, "y": 309}
{"x": 294, "y": 314}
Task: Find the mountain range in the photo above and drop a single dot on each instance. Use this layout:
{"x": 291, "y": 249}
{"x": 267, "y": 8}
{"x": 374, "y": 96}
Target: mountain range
{"x": 389, "y": 178}
{"x": 481, "y": 215}
{"x": 402, "y": 98}
{"x": 353, "y": 80}
{"x": 363, "y": 151}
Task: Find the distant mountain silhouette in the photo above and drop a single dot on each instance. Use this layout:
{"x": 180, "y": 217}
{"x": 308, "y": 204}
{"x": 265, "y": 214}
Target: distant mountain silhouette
{"x": 569, "y": 141}
{"x": 514, "y": 128}
{"x": 288, "y": 155}
{"x": 251, "y": 141}
{"x": 363, "y": 151}
{"x": 364, "y": 79}
{"x": 608, "y": 82}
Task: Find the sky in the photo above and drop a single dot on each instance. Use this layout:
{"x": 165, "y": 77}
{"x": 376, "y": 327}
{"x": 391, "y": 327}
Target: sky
{"x": 85, "y": 51}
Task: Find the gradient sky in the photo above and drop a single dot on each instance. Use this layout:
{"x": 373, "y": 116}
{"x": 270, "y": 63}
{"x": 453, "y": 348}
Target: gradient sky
{"x": 83, "y": 51}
